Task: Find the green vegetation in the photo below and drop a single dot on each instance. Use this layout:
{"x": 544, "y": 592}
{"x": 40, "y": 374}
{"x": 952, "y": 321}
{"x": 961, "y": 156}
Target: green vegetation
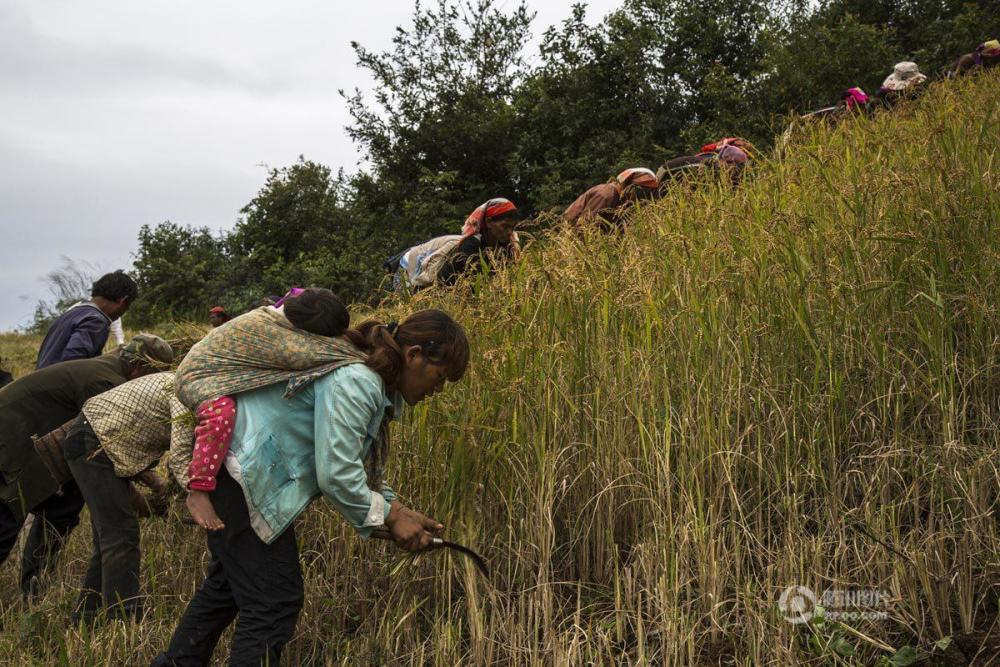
{"x": 793, "y": 382}
{"x": 462, "y": 111}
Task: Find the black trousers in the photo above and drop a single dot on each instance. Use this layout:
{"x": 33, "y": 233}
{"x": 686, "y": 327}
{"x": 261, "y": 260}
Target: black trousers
{"x": 112, "y": 578}
{"x": 55, "y": 519}
{"x": 257, "y": 584}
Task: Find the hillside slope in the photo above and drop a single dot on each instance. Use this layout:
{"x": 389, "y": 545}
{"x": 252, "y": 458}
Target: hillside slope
{"x": 792, "y": 383}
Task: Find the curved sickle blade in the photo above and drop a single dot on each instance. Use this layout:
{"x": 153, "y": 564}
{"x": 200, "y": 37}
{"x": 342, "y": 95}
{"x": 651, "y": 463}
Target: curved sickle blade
{"x": 481, "y": 564}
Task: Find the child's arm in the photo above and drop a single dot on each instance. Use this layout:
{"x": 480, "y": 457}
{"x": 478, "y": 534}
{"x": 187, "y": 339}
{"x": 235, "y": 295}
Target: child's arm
{"x": 185, "y": 467}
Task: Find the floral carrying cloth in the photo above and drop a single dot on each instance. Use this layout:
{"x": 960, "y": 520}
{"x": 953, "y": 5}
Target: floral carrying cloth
{"x": 258, "y": 349}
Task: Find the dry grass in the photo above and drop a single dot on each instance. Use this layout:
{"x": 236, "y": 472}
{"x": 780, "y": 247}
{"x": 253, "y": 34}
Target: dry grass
{"x": 791, "y": 383}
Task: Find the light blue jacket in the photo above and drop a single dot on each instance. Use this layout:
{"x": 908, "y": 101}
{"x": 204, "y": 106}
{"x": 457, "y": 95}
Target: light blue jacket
{"x": 286, "y": 452}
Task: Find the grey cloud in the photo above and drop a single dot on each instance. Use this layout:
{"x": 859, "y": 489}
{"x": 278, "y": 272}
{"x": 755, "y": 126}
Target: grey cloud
{"x": 32, "y": 61}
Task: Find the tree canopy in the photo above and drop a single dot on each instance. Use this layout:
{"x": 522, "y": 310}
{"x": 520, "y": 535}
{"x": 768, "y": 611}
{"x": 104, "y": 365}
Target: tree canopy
{"x": 462, "y": 112}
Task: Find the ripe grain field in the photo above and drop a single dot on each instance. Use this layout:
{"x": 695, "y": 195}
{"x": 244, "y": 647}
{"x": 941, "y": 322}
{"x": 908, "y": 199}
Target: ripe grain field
{"x": 792, "y": 383}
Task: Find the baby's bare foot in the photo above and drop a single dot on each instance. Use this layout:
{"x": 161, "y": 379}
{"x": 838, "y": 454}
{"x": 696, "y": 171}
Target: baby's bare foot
{"x": 200, "y": 506}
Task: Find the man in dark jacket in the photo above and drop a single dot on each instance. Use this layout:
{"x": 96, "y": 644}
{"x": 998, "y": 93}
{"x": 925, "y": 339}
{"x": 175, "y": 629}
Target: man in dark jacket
{"x": 31, "y": 407}
{"x": 82, "y": 331}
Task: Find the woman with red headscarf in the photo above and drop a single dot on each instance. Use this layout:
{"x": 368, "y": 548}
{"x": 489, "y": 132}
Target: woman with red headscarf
{"x": 606, "y": 203}
{"x": 729, "y": 155}
{"x": 490, "y": 227}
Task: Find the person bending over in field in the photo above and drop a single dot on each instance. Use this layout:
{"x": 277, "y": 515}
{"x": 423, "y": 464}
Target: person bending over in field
{"x": 224, "y": 358}
{"x": 729, "y": 156}
{"x": 217, "y": 316}
{"x": 488, "y": 234}
{"x": 493, "y": 210}
{"x": 119, "y": 435}
{"x": 33, "y": 476}
{"x": 854, "y": 99}
{"x": 82, "y": 331}
{"x": 904, "y": 81}
{"x": 324, "y": 433}
{"x": 986, "y": 56}
{"x": 606, "y": 204}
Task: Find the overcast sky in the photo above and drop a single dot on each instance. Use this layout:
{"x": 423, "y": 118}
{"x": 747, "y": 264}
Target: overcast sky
{"x": 117, "y": 113}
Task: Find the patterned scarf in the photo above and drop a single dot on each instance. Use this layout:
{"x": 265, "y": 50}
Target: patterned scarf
{"x": 262, "y": 348}
{"x": 258, "y": 349}
{"x": 486, "y": 211}
{"x": 640, "y": 176}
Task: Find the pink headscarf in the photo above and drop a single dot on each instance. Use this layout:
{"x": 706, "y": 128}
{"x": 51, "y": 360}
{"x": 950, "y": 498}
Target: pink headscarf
{"x": 486, "y": 211}
{"x": 854, "y": 97}
{"x": 717, "y": 146}
{"x": 294, "y": 291}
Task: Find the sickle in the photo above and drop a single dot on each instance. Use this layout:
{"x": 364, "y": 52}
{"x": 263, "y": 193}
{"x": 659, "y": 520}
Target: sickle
{"x": 438, "y": 543}
{"x": 819, "y": 112}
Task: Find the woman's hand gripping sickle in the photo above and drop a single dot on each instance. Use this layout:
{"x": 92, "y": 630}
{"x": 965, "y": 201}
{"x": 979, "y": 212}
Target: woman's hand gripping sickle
{"x": 411, "y": 530}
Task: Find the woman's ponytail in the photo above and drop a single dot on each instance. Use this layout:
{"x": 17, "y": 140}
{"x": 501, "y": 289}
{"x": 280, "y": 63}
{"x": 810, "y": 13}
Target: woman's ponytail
{"x": 441, "y": 339}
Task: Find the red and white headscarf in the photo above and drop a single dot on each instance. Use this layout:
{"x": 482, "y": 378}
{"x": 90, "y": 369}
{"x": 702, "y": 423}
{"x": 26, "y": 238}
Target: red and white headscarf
{"x": 644, "y": 178}
{"x": 486, "y": 211}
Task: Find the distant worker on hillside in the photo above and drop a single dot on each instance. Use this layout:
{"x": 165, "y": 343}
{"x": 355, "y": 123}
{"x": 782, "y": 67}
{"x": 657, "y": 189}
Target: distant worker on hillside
{"x": 730, "y": 154}
{"x": 851, "y": 100}
{"x": 905, "y": 80}
{"x": 217, "y": 316}
{"x": 474, "y": 222}
{"x": 33, "y": 477}
{"x": 986, "y": 56}
{"x": 488, "y": 234}
{"x": 854, "y": 99}
{"x": 82, "y": 331}
{"x": 606, "y": 204}
{"x": 717, "y": 146}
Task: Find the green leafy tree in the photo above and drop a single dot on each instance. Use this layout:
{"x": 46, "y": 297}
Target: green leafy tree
{"x": 591, "y": 107}
{"x": 180, "y": 273}
{"x": 932, "y": 32}
{"x": 823, "y": 55}
{"x": 439, "y": 130}
{"x": 715, "y": 50}
{"x": 304, "y": 228}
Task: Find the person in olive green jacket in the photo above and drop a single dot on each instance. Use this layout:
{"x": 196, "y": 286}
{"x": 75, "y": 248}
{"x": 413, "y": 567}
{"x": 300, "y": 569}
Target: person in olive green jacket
{"x": 30, "y": 481}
